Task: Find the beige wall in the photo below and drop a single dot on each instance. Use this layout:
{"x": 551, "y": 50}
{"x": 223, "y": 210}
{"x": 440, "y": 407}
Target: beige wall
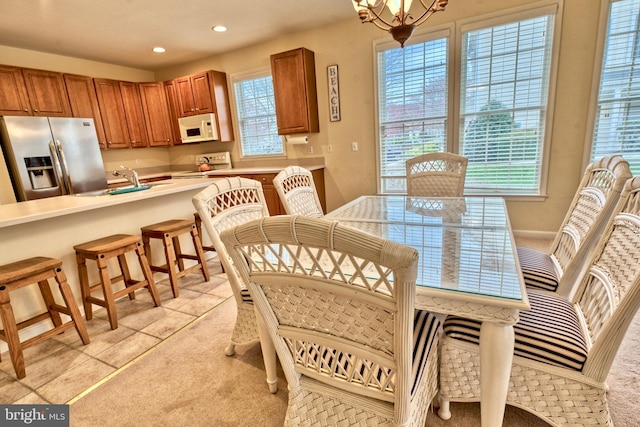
{"x": 349, "y": 44}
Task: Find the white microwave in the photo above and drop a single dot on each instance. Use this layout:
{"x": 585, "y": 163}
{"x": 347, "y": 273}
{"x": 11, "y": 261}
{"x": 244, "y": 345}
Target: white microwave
{"x": 198, "y": 128}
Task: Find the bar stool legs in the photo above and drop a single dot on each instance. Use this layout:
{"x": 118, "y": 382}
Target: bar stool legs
{"x": 198, "y": 222}
{"x": 101, "y": 250}
{"x": 28, "y": 272}
{"x": 169, "y": 232}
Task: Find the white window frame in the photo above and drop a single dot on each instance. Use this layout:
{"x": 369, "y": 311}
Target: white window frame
{"x": 605, "y": 6}
{"x": 455, "y": 30}
{"x": 240, "y": 77}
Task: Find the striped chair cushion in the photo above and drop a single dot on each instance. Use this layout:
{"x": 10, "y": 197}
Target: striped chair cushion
{"x": 538, "y": 270}
{"x": 425, "y": 331}
{"x": 426, "y": 328}
{"x": 550, "y": 332}
{"x": 246, "y": 297}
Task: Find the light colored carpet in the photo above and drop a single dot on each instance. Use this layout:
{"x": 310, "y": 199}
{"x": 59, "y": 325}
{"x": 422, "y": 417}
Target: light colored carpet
{"x": 189, "y": 381}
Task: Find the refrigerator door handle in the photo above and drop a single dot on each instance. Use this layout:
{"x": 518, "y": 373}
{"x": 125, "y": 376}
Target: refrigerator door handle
{"x": 65, "y": 169}
{"x": 58, "y": 168}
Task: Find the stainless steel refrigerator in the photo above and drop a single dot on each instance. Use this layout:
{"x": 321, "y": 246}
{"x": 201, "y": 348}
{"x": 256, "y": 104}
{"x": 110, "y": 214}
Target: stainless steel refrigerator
{"x": 52, "y": 156}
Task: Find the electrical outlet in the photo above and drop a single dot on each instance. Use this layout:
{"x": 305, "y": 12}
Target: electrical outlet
{"x": 310, "y": 149}
{"x": 354, "y": 146}
{"x": 329, "y": 148}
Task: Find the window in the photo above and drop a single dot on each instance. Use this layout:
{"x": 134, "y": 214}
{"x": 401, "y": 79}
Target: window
{"x": 498, "y": 122}
{"x": 412, "y": 107}
{"x": 257, "y": 115}
{"x": 617, "y": 117}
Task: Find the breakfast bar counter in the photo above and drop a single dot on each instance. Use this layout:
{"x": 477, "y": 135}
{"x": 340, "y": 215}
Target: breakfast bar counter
{"x": 36, "y": 210}
{"x": 51, "y": 227}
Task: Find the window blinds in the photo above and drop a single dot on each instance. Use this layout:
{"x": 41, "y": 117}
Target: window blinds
{"x": 257, "y": 117}
{"x": 617, "y": 121}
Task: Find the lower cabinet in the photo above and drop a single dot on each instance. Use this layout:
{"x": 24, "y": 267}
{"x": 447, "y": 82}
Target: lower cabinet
{"x": 271, "y": 195}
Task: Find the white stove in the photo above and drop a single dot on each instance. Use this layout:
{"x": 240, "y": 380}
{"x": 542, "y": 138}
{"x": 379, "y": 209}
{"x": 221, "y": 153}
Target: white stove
{"x": 217, "y": 161}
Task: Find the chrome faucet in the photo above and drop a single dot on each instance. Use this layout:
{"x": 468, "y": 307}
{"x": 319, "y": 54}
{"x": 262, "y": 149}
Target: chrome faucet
{"x": 130, "y": 174}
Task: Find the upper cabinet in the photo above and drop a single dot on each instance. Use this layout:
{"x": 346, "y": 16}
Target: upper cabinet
{"x": 28, "y": 92}
{"x": 202, "y": 93}
{"x": 133, "y": 114}
{"x": 172, "y": 100}
{"x": 84, "y": 102}
{"x": 194, "y": 95}
{"x": 112, "y": 113}
{"x": 156, "y": 113}
{"x": 126, "y": 114}
{"x": 294, "y": 86}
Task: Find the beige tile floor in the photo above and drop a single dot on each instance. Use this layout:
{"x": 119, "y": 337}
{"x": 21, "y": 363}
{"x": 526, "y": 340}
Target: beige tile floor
{"x": 61, "y": 369}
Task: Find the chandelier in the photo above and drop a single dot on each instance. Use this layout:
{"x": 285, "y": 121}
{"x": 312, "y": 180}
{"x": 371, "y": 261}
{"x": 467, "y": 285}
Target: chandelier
{"x": 402, "y": 23}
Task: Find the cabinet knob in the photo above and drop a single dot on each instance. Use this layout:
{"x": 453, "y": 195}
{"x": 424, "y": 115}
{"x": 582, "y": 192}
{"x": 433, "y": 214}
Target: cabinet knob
{"x": 35, "y": 110}
{"x": 26, "y": 110}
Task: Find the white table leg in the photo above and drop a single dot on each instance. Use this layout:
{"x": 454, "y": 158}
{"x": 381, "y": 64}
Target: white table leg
{"x": 268, "y": 354}
{"x": 496, "y": 355}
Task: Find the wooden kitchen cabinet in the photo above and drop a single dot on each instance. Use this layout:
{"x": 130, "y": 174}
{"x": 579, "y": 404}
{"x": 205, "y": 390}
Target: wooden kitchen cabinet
{"x": 133, "y": 114}
{"x": 112, "y": 113}
{"x": 155, "y": 108}
{"x": 84, "y": 102}
{"x": 194, "y": 95}
{"x": 269, "y": 190}
{"x": 204, "y": 93}
{"x": 271, "y": 195}
{"x": 14, "y": 100}
{"x": 172, "y": 100}
{"x": 295, "y": 92}
{"x": 29, "y": 92}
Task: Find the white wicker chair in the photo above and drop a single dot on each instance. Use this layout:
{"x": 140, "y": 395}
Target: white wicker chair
{"x": 297, "y": 192}
{"x": 564, "y": 347}
{"x": 339, "y": 306}
{"x": 436, "y": 175}
{"x": 561, "y": 267}
{"x": 224, "y": 204}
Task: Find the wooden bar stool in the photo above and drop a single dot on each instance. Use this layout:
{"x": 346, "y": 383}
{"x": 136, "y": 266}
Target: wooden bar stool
{"x": 169, "y": 232}
{"x": 198, "y": 222}
{"x": 101, "y": 250}
{"x": 28, "y": 272}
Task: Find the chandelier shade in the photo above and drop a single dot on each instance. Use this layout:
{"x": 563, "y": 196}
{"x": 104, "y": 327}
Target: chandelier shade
{"x": 400, "y": 21}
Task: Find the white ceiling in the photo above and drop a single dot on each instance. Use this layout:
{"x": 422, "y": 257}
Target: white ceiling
{"x": 123, "y": 32}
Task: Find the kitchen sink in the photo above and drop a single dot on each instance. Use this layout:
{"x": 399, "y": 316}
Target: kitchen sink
{"x": 123, "y": 190}
{"x": 128, "y": 189}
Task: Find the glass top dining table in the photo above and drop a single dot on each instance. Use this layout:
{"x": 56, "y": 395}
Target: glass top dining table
{"x": 468, "y": 266}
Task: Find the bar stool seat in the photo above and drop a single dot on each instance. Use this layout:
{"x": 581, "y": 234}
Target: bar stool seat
{"x": 101, "y": 250}
{"x": 28, "y": 272}
{"x": 169, "y": 232}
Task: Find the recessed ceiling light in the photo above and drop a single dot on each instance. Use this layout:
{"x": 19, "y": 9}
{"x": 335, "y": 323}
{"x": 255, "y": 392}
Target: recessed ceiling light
{"x": 158, "y": 49}
{"x": 219, "y": 28}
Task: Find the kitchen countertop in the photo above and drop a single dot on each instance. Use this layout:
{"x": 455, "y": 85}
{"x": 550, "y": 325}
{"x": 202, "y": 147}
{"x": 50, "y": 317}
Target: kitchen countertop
{"x": 217, "y": 172}
{"x": 35, "y": 210}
